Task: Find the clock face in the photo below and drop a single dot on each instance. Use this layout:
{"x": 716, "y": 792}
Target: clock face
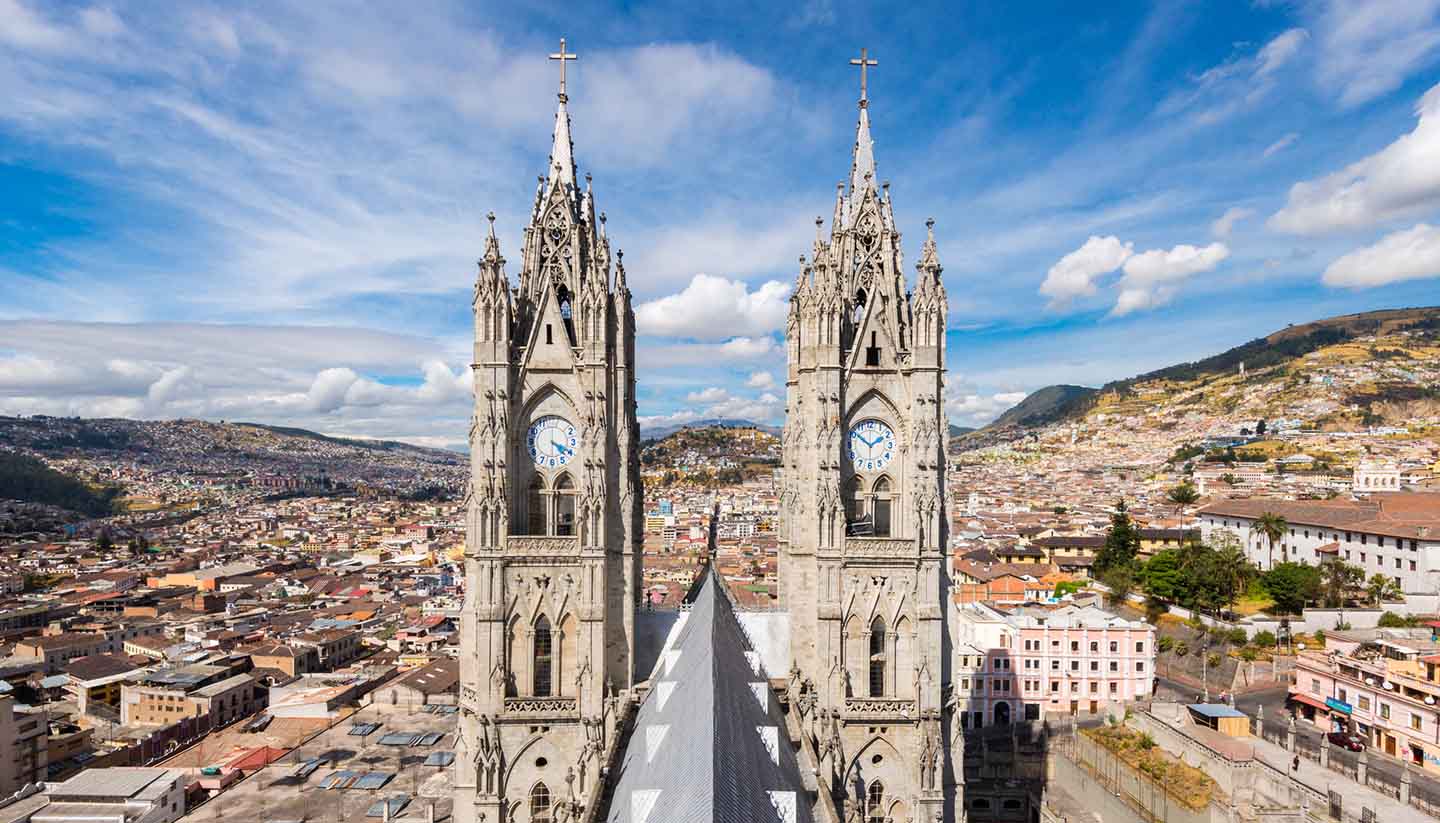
{"x": 551, "y": 441}
{"x": 872, "y": 445}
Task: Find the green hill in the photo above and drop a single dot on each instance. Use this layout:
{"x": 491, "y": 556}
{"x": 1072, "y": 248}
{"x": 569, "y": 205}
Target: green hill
{"x": 28, "y": 479}
{"x": 1045, "y": 406}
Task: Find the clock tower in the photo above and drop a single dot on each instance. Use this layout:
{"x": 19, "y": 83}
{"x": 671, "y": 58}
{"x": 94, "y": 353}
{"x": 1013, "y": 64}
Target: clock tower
{"x": 553, "y": 549}
{"x": 863, "y": 496}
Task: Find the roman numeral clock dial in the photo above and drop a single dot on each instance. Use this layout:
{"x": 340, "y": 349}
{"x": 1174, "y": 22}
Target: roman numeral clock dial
{"x": 872, "y": 445}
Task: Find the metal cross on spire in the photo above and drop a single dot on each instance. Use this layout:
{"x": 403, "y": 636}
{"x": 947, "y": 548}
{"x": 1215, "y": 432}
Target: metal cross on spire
{"x": 562, "y": 57}
{"x": 864, "y": 63}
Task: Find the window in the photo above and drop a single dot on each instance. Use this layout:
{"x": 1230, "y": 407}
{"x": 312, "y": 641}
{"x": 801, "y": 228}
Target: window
{"x": 1364, "y": 703}
{"x": 1094, "y": 648}
{"x": 1114, "y": 647}
{"x": 880, "y": 496}
{"x": 875, "y": 803}
{"x": 1054, "y": 665}
{"x": 1384, "y": 710}
{"x": 1415, "y": 721}
{"x": 1074, "y": 665}
{"x": 543, "y": 651}
{"x": 1054, "y": 686}
{"x": 565, "y": 506}
{"x": 1139, "y": 666}
{"x": 1114, "y": 665}
{"x": 535, "y": 500}
{"x": 1094, "y": 687}
{"x": 872, "y": 352}
{"x": 540, "y": 804}
{"x": 1094, "y": 665}
{"x": 1075, "y": 647}
{"x": 1139, "y": 648}
{"x": 877, "y": 658}
{"x": 1114, "y": 687}
{"x": 1315, "y": 685}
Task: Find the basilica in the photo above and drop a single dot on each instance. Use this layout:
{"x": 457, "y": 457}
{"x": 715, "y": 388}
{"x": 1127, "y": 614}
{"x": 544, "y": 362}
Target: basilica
{"x": 576, "y": 706}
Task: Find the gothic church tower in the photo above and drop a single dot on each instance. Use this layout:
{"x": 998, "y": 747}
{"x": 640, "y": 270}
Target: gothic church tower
{"x": 553, "y": 549}
{"x": 863, "y": 494}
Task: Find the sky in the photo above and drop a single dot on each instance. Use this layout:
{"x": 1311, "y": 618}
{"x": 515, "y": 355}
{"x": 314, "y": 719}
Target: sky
{"x": 272, "y": 211}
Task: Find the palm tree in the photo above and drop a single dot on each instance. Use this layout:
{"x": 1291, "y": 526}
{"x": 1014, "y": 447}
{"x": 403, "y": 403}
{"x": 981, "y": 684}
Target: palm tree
{"x": 1183, "y": 495}
{"x": 1235, "y": 569}
{"x": 1273, "y": 527}
{"x": 1382, "y": 588}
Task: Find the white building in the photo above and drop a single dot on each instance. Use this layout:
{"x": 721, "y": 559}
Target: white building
{"x": 120, "y": 794}
{"x": 1396, "y": 534}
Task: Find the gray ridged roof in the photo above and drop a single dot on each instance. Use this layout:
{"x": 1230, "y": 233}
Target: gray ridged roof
{"x": 709, "y": 743}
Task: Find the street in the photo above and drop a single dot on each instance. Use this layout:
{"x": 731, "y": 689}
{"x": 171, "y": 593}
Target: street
{"x": 1382, "y": 767}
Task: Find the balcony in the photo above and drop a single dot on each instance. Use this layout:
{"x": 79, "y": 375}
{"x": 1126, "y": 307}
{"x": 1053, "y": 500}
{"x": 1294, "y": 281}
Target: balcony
{"x": 881, "y": 548}
{"x": 541, "y": 707}
{"x": 543, "y": 545}
{"x": 880, "y": 708}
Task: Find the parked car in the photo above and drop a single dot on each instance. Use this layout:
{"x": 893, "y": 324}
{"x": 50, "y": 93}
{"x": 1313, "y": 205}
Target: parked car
{"x": 1345, "y": 740}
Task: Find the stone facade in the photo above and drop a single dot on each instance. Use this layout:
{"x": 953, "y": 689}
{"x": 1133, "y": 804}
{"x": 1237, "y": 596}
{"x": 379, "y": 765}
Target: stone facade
{"x": 862, "y": 568}
{"x": 554, "y": 513}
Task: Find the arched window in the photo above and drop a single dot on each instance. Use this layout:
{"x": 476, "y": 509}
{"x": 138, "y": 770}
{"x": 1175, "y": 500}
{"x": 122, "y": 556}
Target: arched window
{"x": 535, "y": 501}
{"x": 540, "y": 804}
{"x": 880, "y": 506}
{"x": 544, "y": 653}
{"x": 875, "y": 803}
{"x": 566, "y": 313}
{"x": 855, "y": 515}
{"x": 565, "y": 505}
{"x": 877, "y": 657}
{"x": 859, "y": 306}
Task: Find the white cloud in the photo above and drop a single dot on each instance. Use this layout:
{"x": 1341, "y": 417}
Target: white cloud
{"x": 1412, "y": 254}
{"x": 1074, "y": 276}
{"x": 1401, "y": 179}
{"x": 1152, "y": 278}
{"x": 739, "y": 350}
{"x": 966, "y": 405}
{"x": 716, "y": 402}
{"x": 1280, "y": 145}
{"x": 1226, "y": 222}
{"x": 1279, "y": 51}
{"x": 1370, "y": 47}
{"x": 713, "y": 308}
{"x": 761, "y": 380}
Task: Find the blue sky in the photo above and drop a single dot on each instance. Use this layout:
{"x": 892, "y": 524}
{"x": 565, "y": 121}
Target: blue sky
{"x": 272, "y": 212}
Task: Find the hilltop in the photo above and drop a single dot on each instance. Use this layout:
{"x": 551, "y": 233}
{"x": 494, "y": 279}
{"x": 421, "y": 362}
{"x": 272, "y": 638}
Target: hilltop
{"x": 1355, "y": 370}
{"x": 657, "y": 432}
{"x": 710, "y": 455}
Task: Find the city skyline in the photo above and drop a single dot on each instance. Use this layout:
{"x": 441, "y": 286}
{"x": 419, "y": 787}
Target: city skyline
{"x": 275, "y": 215}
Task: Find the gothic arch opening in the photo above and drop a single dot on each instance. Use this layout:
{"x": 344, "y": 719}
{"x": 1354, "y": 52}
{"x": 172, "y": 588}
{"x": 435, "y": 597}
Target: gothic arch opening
{"x": 569, "y": 656}
{"x": 544, "y": 658}
{"x": 567, "y": 312}
{"x": 564, "y": 505}
{"x": 540, "y": 803}
{"x": 878, "y": 656}
{"x": 875, "y": 802}
{"x": 535, "y": 499}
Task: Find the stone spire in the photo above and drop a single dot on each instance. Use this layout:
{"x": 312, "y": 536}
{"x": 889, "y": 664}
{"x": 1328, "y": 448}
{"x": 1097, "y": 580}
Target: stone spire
{"x": 862, "y": 168}
{"x": 562, "y": 148}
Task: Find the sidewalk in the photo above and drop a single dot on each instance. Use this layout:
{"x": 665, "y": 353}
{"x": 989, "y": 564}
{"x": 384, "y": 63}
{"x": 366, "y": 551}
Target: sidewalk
{"x": 1323, "y": 780}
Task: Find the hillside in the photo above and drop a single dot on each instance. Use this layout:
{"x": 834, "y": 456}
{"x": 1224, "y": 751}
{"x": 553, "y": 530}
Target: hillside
{"x": 198, "y": 448}
{"x": 657, "y": 432}
{"x": 710, "y": 455}
{"x": 1048, "y": 405}
{"x": 29, "y": 480}
{"x": 1358, "y": 369}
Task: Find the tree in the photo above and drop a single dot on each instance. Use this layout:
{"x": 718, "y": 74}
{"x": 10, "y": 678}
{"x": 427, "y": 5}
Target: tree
{"x": 1122, "y": 541}
{"x": 1260, "y": 427}
{"x": 1162, "y": 578}
{"x": 1121, "y": 582}
{"x": 1234, "y": 568}
{"x": 1273, "y": 527}
{"x": 1183, "y": 495}
{"x": 1381, "y": 588}
{"x": 1340, "y": 581}
{"x": 1292, "y": 586}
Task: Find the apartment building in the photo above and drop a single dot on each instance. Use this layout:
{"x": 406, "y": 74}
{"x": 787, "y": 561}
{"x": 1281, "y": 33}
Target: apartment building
{"x": 1033, "y": 660}
{"x": 24, "y": 757}
{"x": 1383, "y": 685}
{"x": 1393, "y": 533}
{"x": 161, "y": 698}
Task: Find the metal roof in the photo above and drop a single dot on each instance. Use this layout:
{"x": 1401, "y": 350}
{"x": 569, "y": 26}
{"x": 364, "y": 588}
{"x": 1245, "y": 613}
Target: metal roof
{"x": 710, "y": 688}
{"x": 1215, "y": 710}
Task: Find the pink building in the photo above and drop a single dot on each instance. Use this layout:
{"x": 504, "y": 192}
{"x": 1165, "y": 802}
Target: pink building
{"x": 1034, "y": 660}
{"x": 1385, "y": 689}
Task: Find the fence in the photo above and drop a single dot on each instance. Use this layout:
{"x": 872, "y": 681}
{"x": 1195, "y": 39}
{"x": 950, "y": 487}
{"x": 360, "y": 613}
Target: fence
{"x": 1424, "y": 793}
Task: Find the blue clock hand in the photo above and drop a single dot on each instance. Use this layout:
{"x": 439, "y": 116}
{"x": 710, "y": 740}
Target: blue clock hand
{"x": 562, "y": 449}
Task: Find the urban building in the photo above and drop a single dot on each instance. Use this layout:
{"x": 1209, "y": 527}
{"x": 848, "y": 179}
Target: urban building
{"x": 118, "y": 793}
